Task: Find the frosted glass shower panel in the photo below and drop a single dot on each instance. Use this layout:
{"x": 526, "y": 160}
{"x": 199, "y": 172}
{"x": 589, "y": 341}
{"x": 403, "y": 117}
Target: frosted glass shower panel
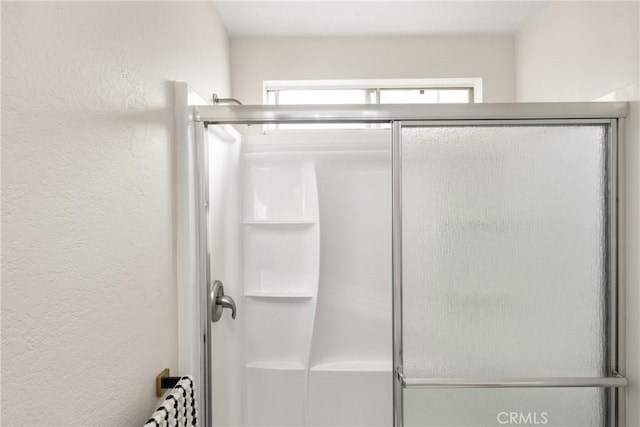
{"x": 552, "y": 407}
{"x": 504, "y": 251}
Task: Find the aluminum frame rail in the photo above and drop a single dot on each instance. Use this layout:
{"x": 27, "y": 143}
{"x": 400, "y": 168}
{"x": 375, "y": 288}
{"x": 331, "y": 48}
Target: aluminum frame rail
{"x": 366, "y": 113}
{"x": 614, "y": 381}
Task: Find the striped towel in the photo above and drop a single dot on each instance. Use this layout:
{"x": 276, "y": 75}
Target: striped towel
{"x": 178, "y": 408}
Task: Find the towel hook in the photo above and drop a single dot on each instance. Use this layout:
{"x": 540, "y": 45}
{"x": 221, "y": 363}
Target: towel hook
{"x": 165, "y": 382}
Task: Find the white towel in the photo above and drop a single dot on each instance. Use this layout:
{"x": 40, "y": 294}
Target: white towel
{"x": 178, "y": 408}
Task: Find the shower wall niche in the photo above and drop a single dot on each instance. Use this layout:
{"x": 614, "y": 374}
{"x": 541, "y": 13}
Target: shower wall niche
{"x": 316, "y": 279}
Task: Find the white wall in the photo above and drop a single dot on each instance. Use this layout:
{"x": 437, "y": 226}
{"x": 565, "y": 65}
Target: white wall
{"x": 577, "y": 51}
{"x": 255, "y": 60}
{"x": 89, "y": 313}
{"x": 581, "y": 51}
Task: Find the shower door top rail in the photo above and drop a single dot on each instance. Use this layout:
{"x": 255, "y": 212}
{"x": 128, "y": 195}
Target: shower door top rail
{"x": 366, "y": 113}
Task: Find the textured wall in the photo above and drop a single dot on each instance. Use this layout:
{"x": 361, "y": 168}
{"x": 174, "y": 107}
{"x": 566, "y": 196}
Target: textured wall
{"x": 89, "y": 312}
{"x": 255, "y": 60}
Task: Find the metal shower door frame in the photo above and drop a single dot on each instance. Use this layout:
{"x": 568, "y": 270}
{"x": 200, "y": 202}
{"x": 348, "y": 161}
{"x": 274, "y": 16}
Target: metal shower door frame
{"x": 195, "y": 180}
{"x": 192, "y": 200}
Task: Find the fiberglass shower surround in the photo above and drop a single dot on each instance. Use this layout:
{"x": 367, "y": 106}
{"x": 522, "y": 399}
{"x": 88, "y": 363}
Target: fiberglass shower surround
{"x": 393, "y": 276}
{"x": 316, "y": 244}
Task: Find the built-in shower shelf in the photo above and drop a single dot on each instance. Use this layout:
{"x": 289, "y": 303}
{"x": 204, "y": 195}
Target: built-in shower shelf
{"x": 354, "y": 366}
{"x": 282, "y": 366}
{"x": 279, "y": 294}
{"x": 279, "y": 221}
{"x": 280, "y": 270}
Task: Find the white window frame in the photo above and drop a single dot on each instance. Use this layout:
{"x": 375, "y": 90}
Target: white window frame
{"x": 474, "y": 83}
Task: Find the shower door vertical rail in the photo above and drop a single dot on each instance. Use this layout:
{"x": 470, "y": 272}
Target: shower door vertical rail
{"x": 614, "y": 379}
{"x": 396, "y": 238}
{"x": 616, "y": 256}
{"x": 201, "y": 167}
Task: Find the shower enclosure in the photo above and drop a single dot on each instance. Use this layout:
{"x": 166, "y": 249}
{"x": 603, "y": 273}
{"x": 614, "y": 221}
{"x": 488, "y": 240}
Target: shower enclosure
{"x": 443, "y": 265}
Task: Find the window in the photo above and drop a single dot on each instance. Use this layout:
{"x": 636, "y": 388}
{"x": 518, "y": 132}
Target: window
{"x": 387, "y": 91}
{"x": 396, "y": 91}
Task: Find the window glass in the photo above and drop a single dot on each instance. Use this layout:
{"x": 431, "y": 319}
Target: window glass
{"x": 408, "y": 96}
{"x": 454, "y": 95}
{"x": 321, "y": 96}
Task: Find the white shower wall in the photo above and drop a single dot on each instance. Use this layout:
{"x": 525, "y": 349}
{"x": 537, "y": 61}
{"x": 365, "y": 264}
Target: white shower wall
{"x": 312, "y": 341}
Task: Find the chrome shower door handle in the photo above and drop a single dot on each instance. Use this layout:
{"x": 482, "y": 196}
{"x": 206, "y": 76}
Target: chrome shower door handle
{"x": 227, "y": 302}
{"x": 220, "y": 301}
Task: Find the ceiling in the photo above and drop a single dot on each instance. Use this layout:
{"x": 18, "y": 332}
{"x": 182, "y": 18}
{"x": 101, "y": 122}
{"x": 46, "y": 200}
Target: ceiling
{"x": 367, "y": 18}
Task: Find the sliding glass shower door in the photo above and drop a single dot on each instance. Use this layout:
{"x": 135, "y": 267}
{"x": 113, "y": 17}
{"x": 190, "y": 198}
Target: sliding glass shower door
{"x": 505, "y": 273}
{"x": 507, "y": 307}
